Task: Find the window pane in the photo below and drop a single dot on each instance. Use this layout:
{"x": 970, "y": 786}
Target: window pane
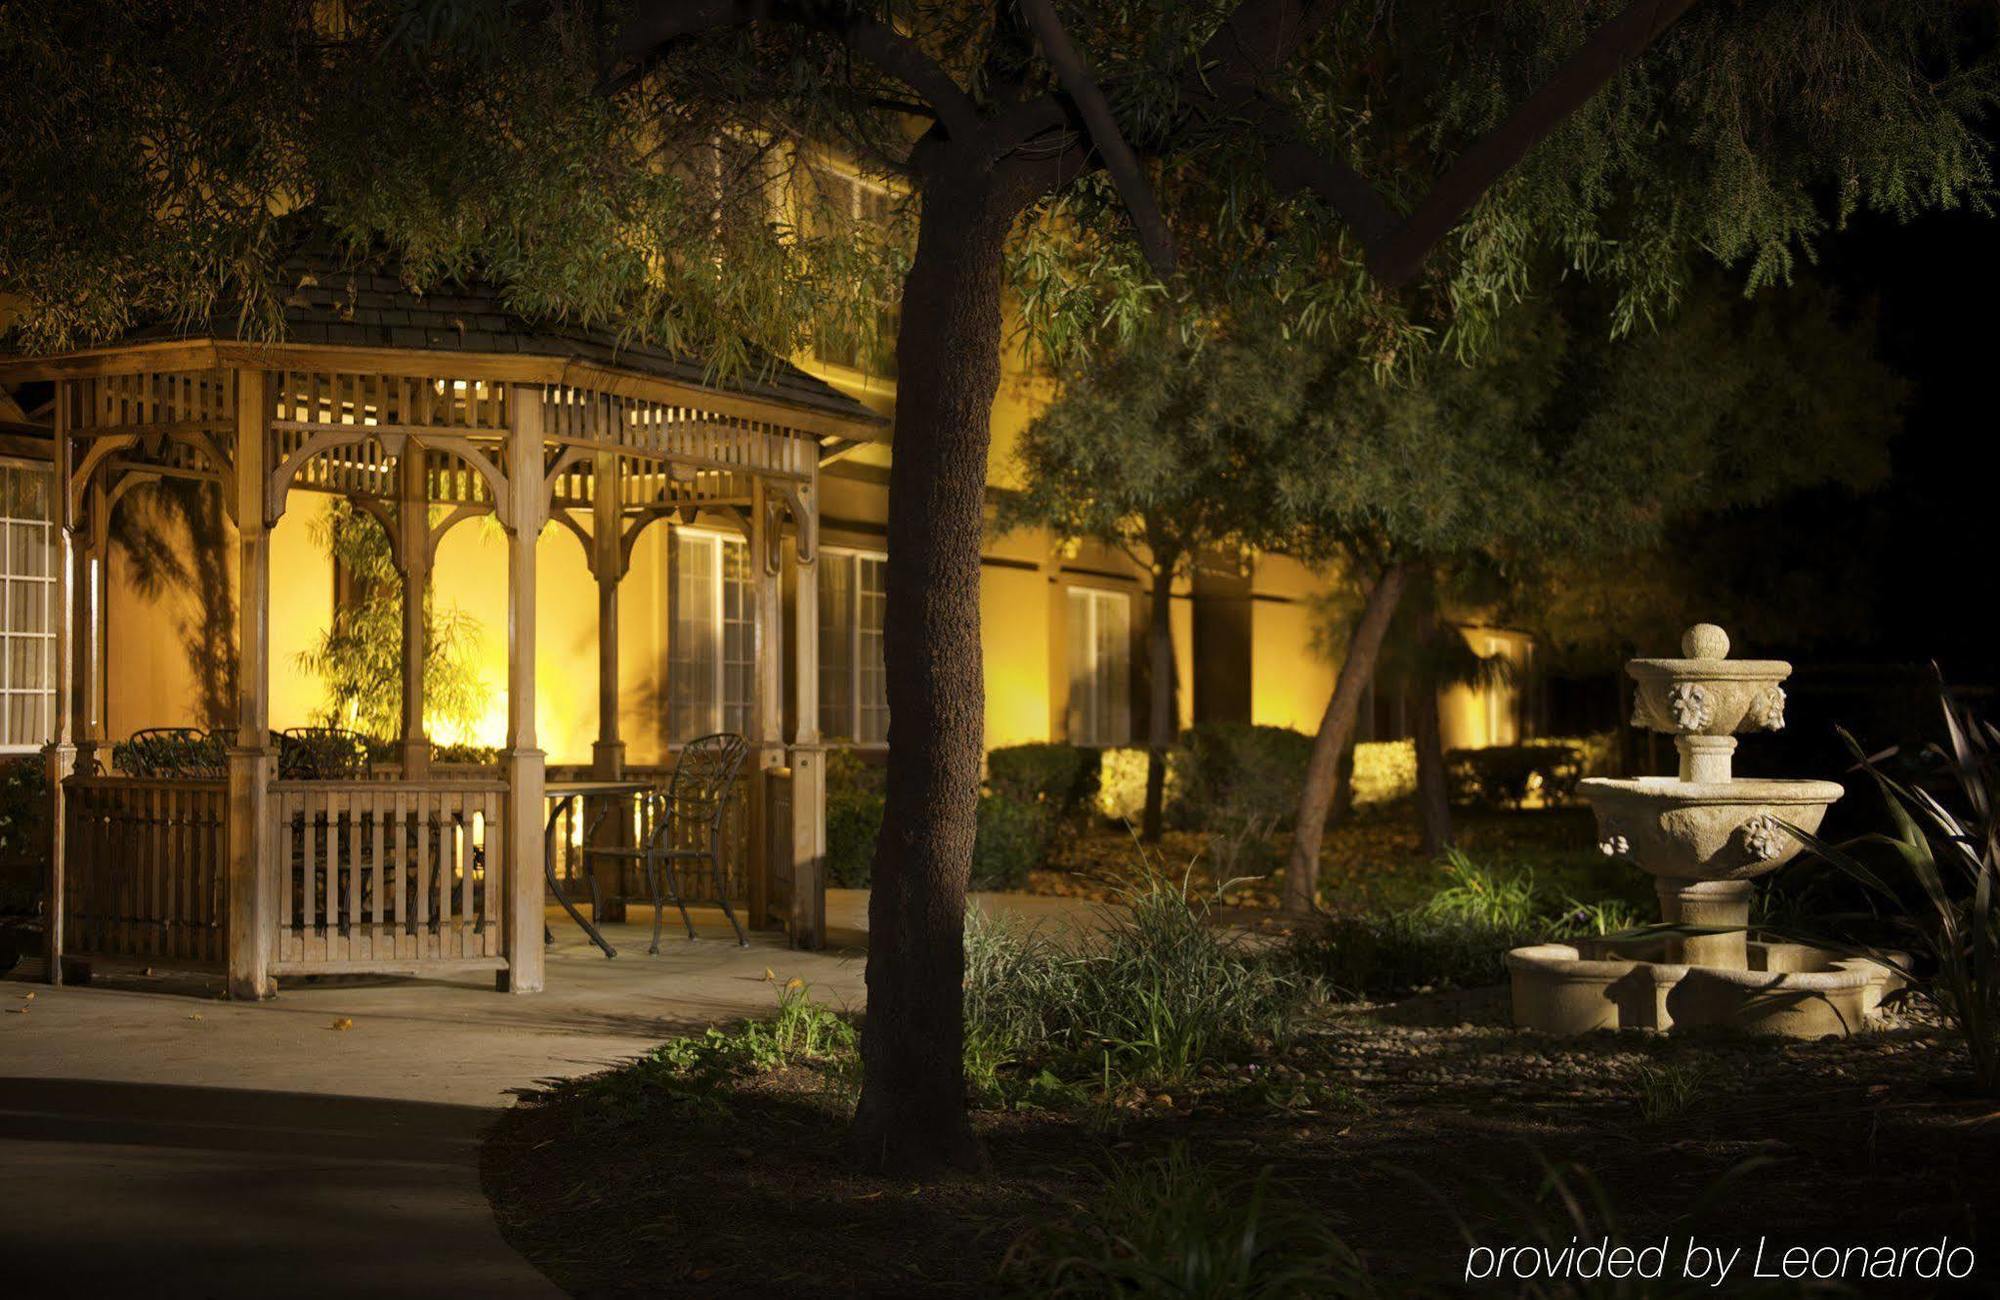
{"x": 694, "y": 648}
{"x": 739, "y": 638}
{"x": 1100, "y": 667}
{"x": 26, "y": 592}
{"x": 871, "y": 678}
{"x": 1114, "y": 668}
{"x": 836, "y": 647}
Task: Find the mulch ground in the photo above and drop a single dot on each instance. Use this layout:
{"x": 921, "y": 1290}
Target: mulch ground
{"x": 1409, "y": 1126}
{"x": 1368, "y": 862}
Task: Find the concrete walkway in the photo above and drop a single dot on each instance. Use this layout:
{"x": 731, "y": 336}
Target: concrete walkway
{"x": 157, "y": 1141}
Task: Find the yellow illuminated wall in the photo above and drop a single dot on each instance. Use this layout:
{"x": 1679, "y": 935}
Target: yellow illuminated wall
{"x": 1289, "y": 682}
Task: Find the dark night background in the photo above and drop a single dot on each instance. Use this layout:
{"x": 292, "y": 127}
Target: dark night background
{"x": 1903, "y": 573}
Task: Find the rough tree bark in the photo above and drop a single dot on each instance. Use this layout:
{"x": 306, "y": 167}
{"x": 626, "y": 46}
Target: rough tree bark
{"x": 1336, "y": 725}
{"x": 1163, "y": 716}
{"x": 912, "y": 1116}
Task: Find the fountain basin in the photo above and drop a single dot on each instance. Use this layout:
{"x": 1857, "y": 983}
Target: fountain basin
{"x": 1708, "y": 697}
{"x": 1790, "y": 990}
{"x": 1692, "y": 830}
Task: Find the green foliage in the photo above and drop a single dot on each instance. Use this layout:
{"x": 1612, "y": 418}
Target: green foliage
{"x": 1170, "y": 1226}
{"x": 160, "y": 144}
{"x": 1482, "y": 896}
{"x": 853, "y": 818}
{"x": 1669, "y": 1090}
{"x": 1157, "y": 991}
{"x": 24, "y": 830}
{"x": 1936, "y": 875}
{"x": 1121, "y": 781}
{"x": 1242, "y": 784}
{"x": 1504, "y": 775}
{"x": 1012, "y": 838}
{"x": 359, "y": 656}
{"x": 690, "y": 1075}
{"x": 1458, "y": 938}
{"x": 1061, "y": 778}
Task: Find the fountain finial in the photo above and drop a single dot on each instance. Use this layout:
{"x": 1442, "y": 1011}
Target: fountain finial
{"x": 1705, "y": 641}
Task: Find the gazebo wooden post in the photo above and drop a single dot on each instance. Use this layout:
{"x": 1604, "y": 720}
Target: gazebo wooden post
{"x": 413, "y": 547}
{"x": 88, "y": 644}
{"x": 607, "y": 754}
{"x": 524, "y": 762}
{"x": 60, "y": 754}
{"x": 808, "y": 903}
{"x": 251, "y": 897}
{"x": 767, "y": 739}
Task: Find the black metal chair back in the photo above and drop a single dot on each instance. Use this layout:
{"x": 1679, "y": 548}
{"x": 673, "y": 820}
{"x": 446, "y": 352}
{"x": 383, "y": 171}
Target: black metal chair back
{"x": 321, "y": 754}
{"x": 188, "y": 753}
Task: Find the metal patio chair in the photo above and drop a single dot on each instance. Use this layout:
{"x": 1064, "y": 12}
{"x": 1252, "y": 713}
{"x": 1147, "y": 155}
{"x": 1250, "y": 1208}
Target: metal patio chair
{"x": 321, "y": 754}
{"x": 188, "y": 753}
{"x": 683, "y": 823}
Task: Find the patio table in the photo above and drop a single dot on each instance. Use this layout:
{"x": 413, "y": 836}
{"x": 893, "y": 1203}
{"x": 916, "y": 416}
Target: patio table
{"x": 561, "y": 796}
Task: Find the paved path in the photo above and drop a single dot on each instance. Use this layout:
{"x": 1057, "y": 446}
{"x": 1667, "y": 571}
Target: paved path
{"x": 156, "y": 1141}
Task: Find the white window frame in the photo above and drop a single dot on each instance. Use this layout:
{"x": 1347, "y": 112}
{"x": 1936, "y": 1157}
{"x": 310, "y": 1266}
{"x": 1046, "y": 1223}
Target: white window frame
{"x": 851, "y": 733}
{"x": 718, "y": 703}
{"x": 12, "y": 578}
{"x": 1089, "y": 604}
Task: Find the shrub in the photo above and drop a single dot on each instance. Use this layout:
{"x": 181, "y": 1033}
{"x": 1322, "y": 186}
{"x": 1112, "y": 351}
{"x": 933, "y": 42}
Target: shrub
{"x": 1457, "y": 939}
{"x": 1386, "y": 956}
{"x": 1243, "y": 784}
{"x": 1121, "y": 781}
{"x": 1483, "y": 896}
{"x": 1155, "y": 992}
{"x": 24, "y": 831}
{"x": 1384, "y": 771}
{"x": 1505, "y": 775}
{"x": 1938, "y": 872}
{"x": 1171, "y": 1227}
{"x": 853, "y": 818}
{"x": 1061, "y": 778}
{"x": 1011, "y": 839}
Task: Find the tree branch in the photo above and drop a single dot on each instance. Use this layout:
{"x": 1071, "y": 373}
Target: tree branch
{"x": 1073, "y": 74}
{"x": 1243, "y": 60}
{"x": 664, "y": 22}
{"x": 1582, "y": 75}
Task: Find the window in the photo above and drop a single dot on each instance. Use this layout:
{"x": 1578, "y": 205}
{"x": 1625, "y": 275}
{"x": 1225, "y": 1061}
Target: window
{"x": 851, "y": 198}
{"x": 27, "y": 586}
{"x": 1100, "y": 667}
{"x": 712, "y": 676}
{"x": 853, "y": 687}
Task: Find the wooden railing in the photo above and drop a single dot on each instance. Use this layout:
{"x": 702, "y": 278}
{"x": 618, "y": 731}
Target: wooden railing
{"x": 145, "y": 872}
{"x": 388, "y": 875}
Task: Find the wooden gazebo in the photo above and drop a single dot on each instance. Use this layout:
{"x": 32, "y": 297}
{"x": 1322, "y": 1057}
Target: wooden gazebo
{"x": 425, "y": 412}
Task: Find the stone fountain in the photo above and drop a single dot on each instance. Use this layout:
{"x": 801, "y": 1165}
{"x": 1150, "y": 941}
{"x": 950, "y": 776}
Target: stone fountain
{"x": 1703, "y": 836}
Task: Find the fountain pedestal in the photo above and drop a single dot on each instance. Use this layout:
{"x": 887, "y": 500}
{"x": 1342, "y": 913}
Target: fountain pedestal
{"x": 1705, "y": 836}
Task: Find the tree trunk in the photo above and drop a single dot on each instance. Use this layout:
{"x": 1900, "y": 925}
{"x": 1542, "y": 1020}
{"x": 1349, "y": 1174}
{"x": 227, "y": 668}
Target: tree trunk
{"x": 1433, "y": 794}
{"x": 912, "y": 1116}
{"x": 1163, "y": 717}
{"x": 1335, "y": 727}
{"x": 1343, "y": 785}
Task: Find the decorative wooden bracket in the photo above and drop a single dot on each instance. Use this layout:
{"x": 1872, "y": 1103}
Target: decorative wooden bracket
{"x": 800, "y": 500}
{"x": 101, "y": 450}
